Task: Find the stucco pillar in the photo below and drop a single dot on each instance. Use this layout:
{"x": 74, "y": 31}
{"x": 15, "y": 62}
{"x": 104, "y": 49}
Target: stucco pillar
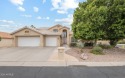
{"x": 14, "y": 41}
{"x": 41, "y": 41}
{"x": 61, "y": 53}
{"x": 68, "y": 41}
{"x": 59, "y": 41}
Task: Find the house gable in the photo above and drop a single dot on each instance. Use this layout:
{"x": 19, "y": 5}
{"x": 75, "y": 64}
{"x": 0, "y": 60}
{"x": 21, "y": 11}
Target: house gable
{"x": 54, "y": 27}
{"x": 26, "y": 32}
{"x": 58, "y": 27}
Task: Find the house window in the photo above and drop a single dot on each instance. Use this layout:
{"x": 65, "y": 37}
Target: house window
{"x": 26, "y": 31}
{"x": 55, "y": 30}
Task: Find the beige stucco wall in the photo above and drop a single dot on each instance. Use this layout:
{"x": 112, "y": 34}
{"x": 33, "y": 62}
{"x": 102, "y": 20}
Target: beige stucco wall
{"x": 30, "y": 34}
{"x": 70, "y": 36}
{"x": 55, "y": 27}
{"x": 6, "y": 43}
{"x": 60, "y": 30}
{"x": 22, "y": 33}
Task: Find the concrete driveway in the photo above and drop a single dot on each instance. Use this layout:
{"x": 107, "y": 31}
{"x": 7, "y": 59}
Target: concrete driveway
{"x": 34, "y": 54}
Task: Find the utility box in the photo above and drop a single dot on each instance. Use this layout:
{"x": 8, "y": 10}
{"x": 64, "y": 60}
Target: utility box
{"x": 61, "y": 52}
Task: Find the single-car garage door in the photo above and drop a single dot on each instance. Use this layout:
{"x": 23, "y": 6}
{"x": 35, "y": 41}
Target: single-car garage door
{"x": 51, "y": 41}
{"x": 28, "y": 41}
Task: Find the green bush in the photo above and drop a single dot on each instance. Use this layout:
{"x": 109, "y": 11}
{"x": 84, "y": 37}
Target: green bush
{"x": 73, "y": 44}
{"x": 80, "y": 45}
{"x": 104, "y": 46}
{"x": 89, "y": 44}
{"x": 121, "y": 42}
{"x": 97, "y": 50}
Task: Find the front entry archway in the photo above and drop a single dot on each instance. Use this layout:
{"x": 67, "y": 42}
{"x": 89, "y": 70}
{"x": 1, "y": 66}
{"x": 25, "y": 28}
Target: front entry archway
{"x": 64, "y": 36}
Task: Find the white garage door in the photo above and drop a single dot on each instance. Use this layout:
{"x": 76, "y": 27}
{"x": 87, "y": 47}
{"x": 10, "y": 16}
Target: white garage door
{"x": 51, "y": 41}
{"x": 28, "y": 41}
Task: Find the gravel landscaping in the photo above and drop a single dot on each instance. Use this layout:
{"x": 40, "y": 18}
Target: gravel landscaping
{"x": 110, "y": 55}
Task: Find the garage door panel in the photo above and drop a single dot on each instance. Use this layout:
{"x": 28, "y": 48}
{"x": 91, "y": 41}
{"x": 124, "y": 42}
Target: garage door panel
{"x": 28, "y": 41}
{"x": 51, "y": 41}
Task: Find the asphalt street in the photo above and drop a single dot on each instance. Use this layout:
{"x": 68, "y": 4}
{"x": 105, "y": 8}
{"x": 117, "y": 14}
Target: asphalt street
{"x": 62, "y": 72}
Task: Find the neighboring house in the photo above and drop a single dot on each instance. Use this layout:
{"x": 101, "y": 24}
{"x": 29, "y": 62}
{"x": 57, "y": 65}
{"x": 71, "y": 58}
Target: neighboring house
{"x": 6, "y": 39}
{"x": 54, "y": 36}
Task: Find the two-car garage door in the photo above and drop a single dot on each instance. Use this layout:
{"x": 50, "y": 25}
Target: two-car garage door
{"x": 28, "y": 41}
{"x": 35, "y": 41}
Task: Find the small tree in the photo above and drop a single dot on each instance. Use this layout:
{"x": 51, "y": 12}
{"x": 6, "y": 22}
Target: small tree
{"x": 32, "y": 26}
{"x": 115, "y": 21}
{"x": 95, "y": 19}
{"x": 88, "y": 20}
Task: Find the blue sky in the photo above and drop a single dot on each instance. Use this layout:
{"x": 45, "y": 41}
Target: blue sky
{"x": 15, "y": 14}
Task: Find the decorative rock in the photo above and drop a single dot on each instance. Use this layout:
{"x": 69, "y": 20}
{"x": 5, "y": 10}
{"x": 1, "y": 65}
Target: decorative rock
{"x": 84, "y": 56}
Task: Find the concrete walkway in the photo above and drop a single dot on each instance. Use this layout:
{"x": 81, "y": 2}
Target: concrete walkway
{"x": 55, "y": 58}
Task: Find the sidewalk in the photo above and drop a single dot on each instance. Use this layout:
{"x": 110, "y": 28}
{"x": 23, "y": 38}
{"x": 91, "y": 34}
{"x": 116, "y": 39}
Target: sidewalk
{"x": 62, "y": 64}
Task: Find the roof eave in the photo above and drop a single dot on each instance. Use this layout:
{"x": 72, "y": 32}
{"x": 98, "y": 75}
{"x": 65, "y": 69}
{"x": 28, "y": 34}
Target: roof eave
{"x": 24, "y": 28}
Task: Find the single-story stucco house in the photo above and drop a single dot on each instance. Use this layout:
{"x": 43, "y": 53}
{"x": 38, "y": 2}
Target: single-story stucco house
{"x": 39, "y": 37}
{"x": 33, "y": 37}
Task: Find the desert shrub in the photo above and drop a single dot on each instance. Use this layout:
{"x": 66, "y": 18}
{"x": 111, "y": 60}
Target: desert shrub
{"x": 97, "y": 50}
{"x": 104, "y": 46}
{"x": 88, "y": 44}
{"x": 80, "y": 45}
{"x": 73, "y": 44}
{"x": 121, "y": 42}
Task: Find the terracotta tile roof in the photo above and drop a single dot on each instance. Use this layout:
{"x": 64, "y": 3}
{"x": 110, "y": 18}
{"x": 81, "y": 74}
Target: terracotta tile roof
{"x": 5, "y": 35}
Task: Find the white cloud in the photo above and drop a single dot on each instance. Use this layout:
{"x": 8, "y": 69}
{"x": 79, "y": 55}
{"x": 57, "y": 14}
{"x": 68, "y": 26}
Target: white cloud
{"x": 39, "y": 17}
{"x": 43, "y": 1}
{"x": 10, "y": 28}
{"x": 61, "y": 12}
{"x": 28, "y": 16}
{"x": 62, "y": 6}
{"x": 17, "y": 2}
{"x": 4, "y": 25}
{"x": 65, "y": 21}
{"x": 46, "y": 18}
{"x": 36, "y": 9}
{"x": 7, "y": 21}
{"x": 21, "y": 8}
